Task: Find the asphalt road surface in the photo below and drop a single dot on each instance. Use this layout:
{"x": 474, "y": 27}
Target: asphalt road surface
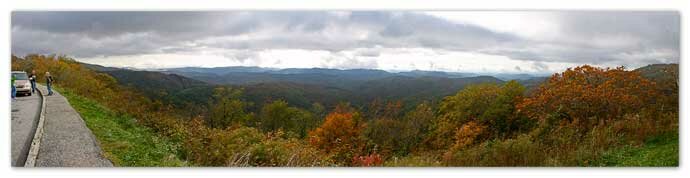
{"x": 25, "y": 111}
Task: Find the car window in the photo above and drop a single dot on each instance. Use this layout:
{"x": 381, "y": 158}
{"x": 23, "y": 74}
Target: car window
{"x": 20, "y": 76}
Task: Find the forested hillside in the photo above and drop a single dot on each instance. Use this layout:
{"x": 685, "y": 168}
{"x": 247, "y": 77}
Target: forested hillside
{"x": 584, "y": 116}
{"x": 342, "y": 78}
{"x": 299, "y": 87}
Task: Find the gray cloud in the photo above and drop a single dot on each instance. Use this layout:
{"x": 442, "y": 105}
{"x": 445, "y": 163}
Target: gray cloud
{"x": 301, "y": 30}
{"x": 585, "y": 36}
{"x": 603, "y": 37}
{"x": 539, "y": 66}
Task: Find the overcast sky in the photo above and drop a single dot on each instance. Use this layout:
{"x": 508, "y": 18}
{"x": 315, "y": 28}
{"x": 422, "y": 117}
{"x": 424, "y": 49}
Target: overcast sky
{"x": 464, "y": 41}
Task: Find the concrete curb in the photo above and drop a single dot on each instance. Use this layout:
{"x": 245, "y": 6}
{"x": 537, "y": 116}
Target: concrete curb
{"x": 36, "y": 142}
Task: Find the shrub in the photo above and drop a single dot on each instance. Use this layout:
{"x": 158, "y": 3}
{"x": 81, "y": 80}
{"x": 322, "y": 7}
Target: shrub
{"x": 520, "y": 151}
{"x": 421, "y": 159}
{"x": 278, "y": 115}
{"x": 227, "y": 108}
{"x": 368, "y": 160}
{"x": 467, "y": 135}
{"x": 246, "y": 146}
{"x": 490, "y": 105}
{"x": 339, "y": 136}
{"x": 589, "y": 95}
{"x": 387, "y": 135}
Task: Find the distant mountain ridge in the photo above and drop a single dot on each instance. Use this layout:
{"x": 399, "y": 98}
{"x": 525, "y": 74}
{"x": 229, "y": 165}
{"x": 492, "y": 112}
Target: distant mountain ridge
{"x": 302, "y": 87}
{"x": 220, "y": 71}
{"x": 341, "y": 78}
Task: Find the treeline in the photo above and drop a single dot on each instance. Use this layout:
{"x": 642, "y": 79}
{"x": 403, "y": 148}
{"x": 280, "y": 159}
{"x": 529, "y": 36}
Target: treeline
{"x": 570, "y": 120}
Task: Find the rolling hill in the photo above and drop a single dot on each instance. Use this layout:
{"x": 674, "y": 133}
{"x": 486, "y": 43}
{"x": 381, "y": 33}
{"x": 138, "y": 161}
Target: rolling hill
{"x": 300, "y": 87}
{"x": 347, "y": 78}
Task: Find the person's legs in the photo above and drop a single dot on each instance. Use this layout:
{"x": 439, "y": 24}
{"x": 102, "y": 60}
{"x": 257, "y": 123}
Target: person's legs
{"x": 50, "y": 90}
{"x": 14, "y": 92}
{"x": 33, "y": 86}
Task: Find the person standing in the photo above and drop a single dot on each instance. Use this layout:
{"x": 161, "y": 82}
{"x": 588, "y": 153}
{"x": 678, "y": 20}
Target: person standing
{"x": 32, "y": 79}
{"x": 14, "y": 89}
{"x": 49, "y": 82}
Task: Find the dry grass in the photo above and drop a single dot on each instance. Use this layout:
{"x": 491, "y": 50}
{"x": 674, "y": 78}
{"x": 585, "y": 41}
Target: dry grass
{"x": 565, "y": 145}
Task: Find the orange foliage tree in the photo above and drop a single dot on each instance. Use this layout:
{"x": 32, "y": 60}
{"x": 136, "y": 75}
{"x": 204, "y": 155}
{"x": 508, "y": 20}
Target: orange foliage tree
{"x": 339, "y": 135}
{"x": 466, "y": 134}
{"x": 588, "y": 95}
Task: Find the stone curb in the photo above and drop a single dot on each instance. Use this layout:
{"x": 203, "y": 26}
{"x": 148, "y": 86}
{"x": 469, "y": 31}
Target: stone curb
{"x": 36, "y": 142}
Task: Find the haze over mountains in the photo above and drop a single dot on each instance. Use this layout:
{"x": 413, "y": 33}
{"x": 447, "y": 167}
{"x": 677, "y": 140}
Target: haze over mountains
{"x": 346, "y": 79}
{"x": 234, "y": 75}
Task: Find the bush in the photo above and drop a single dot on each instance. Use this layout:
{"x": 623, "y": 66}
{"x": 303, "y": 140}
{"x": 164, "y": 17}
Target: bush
{"x": 368, "y": 160}
{"x": 339, "y": 136}
{"x": 227, "y": 109}
{"x": 588, "y": 95}
{"x": 520, "y": 151}
{"x": 274, "y": 150}
{"x": 425, "y": 159}
{"x": 246, "y": 146}
{"x": 489, "y": 105}
{"x": 279, "y": 116}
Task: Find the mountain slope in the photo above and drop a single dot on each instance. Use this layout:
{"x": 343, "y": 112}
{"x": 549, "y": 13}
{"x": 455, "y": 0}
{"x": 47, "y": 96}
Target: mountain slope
{"x": 416, "y": 89}
{"x": 300, "y": 87}
{"x": 659, "y": 71}
{"x": 154, "y": 83}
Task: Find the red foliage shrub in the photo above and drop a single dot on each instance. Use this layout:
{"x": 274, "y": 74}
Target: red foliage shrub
{"x": 373, "y": 159}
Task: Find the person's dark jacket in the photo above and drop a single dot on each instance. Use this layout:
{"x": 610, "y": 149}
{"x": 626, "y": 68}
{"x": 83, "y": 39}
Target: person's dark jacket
{"x": 49, "y": 79}
{"x": 32, "y": 78}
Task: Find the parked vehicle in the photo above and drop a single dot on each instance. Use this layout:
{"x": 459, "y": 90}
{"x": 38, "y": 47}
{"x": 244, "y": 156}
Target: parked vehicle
{"x": 22, "y": 82}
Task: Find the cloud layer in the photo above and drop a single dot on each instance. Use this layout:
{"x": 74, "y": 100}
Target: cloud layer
{"x": 358, "y": 39}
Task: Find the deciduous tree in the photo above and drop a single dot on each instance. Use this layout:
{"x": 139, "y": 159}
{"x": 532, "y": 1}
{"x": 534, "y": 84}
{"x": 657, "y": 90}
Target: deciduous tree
{"x": 339, "y": 136}
{"x": 489, "y": 105}
{"x": 227, "y": 108}
{"x": 278, "y": 115}
{"x": 588, "y": 95}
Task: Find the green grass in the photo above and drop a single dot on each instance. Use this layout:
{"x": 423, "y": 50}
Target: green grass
{"x": 123, "y": 141}
{"x": 658, "y": 151}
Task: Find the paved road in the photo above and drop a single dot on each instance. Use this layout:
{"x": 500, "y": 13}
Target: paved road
{"x": 66, "y": 141}
{"x": 24, "y": 119}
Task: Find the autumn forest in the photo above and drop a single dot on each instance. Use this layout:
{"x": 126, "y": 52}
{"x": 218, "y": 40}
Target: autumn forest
{"x": 582, "y": 116}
